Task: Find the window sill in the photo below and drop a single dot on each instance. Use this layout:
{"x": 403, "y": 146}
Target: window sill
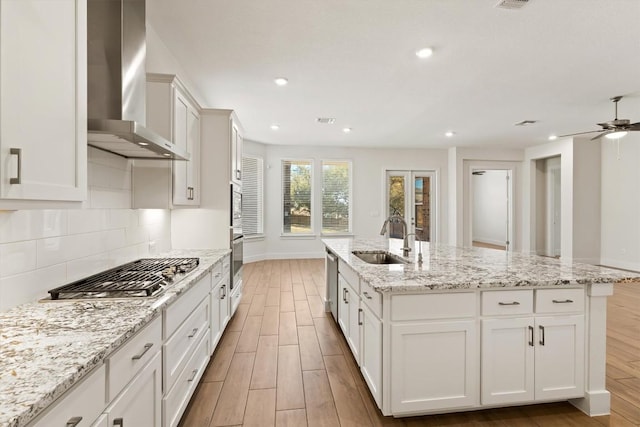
{"x": 325, "y": 235}
{"x": 254, "y": 238}
{"x": 298, "y": 236}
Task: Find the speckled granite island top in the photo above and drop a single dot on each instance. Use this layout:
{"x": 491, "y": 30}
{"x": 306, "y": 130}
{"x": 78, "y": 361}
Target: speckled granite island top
{"x": 453, "y": 268}
{"x": 46, "y": 347}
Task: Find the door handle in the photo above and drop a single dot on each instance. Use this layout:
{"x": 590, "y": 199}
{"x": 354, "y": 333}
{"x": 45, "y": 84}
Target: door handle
{"x": 566, "y": 301}
{"x": 17, "y": 152}
{"x": 193, "y": 333}
{"x": 531, "y": 336}
{"x": 74, "y": 421}
{"x": 346, "y": 293}
{"x": 541, "y": 335}
{"x": 193, "y": 375}
{"x": 147, "y": 346}
{"x": 366, "y": 295}
{"x": 359, "y": 319}
{"x": 509, "y": 303}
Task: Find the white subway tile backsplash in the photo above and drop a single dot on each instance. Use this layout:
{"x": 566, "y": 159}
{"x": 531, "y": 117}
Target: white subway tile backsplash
{"x": 17, "y": 257}
{"x": 30, "y": 286}
{"x": 106, "y": 198}
{"x": 83, "y": 267}
{"x": 31, "y": 224}
{"x": 87, "y": 220}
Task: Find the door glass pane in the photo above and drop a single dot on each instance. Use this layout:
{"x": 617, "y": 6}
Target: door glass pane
{"x": 422, "y": 208}
{"x": 396, "y": 204}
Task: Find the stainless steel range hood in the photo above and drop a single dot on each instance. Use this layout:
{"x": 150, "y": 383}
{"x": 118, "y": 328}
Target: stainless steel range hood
{"x": 116, "y": 82}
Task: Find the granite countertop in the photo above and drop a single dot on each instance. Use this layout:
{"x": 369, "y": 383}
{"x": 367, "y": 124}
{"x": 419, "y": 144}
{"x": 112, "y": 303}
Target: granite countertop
{"x": 46, "y": 347}
{"x": 453, "y": 268}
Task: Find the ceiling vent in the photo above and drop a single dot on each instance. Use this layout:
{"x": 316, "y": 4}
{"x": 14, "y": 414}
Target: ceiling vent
{"x": 326, "y": 120}
{"x": 511, "y": 4}
{"x": 525, "y": 123}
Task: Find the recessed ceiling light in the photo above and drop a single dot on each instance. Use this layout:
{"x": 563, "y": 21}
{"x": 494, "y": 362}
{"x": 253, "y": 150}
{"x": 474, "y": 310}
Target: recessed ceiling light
{"x": 167, "y": 154}
{"x": 553, "y": 137}
{"x": 424, "y": 52}
{"x": 275, "y": 127}
{"x": 143, "y": 143}
{"x": 281, "y": 81}
{"x": 326, "y": 120}
{"x": 346, "y": 130}
{"x": 449, "y": 134}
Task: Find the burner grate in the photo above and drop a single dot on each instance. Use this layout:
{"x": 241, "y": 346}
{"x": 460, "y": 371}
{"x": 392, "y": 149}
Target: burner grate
{"x": 143, "y": 277}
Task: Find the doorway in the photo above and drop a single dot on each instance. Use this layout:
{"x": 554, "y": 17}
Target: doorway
{"x": 548, "y": 207}
{"x": 491, "y": 209}
{"x": 411, "y": 195}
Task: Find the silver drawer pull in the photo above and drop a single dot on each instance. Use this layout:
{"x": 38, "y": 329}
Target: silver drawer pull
{"x": 18, "y": 178}
{"x": 541, "y": 334}
{"x": 509, "y": 303}
{"x": 366, "y": 294}
{"x": 74, "y": 421}
{"x": 567, "y": 301}
{"x": 531, "y": 336}
{"x": 147, "y": 346}
{"x": 118, "y": 422}
{"x": 193, "y": 375}
{"x": 193, "y": 333}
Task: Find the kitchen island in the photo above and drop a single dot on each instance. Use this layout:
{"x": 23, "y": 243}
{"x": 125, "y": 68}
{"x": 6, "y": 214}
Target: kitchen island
{"x": 472, "y": 328}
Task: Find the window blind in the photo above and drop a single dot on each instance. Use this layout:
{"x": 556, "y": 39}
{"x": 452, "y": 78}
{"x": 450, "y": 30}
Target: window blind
{"x": 336, "y": 197}
{"x": 252, "y": 195}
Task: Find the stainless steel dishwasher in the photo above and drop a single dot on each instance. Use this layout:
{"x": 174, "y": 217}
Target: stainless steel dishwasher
{"x": 331, "y": 277}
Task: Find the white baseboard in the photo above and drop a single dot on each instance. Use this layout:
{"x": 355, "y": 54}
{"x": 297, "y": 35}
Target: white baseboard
{"x": 281, "y": 255}
{"x": 488, "y": 241}
{"x": 620, "y": 264}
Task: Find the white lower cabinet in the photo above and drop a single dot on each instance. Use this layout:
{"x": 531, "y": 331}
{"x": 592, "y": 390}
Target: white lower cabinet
{"x": 102, "y": 421}
{"x": 349, "y": 316}
{"x": 433, "y": 366}
{"x": 80, "y": 406}
{"x": 139, "y": 403}
{"x": 534, "y": 358}
{"x": 371, "y": 352}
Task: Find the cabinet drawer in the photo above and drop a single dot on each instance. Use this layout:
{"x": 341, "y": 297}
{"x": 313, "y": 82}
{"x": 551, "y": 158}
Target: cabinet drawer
{"x": 507, "y": 302}
{"x": 177, "y": 312}
{"x": 125, "y": 363}
{"x": 349, "y": 275}
{"x": 177, "y": 399}
{"x": 180, "y": 346}
{"x": 433, "y": 306}
{"x": 226, "y": 265}
{"x": 216, "y": 273}
{"x": 371, "y": 298}
{"x": 85, "y": 401}
{"x": 559, "y": 300}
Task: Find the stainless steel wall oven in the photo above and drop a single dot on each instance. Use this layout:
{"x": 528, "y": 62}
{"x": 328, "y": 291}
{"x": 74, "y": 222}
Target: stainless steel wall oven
{"x": 236, "y": 236}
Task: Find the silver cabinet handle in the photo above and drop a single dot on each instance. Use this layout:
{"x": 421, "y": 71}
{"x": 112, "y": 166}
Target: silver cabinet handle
{"x": 74, "y": 421}
{"x": 509, "y": 303}
{"x": 193, "y": 333}
{"x": 531, "y": 336}
{"x": 359, "y": 320}
{"x": 193, "y": 375}
{"x": 366, "y": 294}
{"x": 224, "y": 291}
{"x": 190, "y": 193}
{"x": 567, "y": 301}
{"x": 17, "y": 152}
{"x": 238, "y": 174}
{"x": 147, "y": 346}
{"x": 541, "y": 335}
{"x": 118, "y": 422}
{"x": 346, "y": 293}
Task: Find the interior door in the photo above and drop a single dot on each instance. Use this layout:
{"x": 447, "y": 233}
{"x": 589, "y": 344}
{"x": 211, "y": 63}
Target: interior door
{"x": 410, "y": 194}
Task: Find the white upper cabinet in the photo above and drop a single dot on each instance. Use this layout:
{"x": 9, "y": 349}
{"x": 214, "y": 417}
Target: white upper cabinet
{"x": 174, "y": 114}
{"x": 43, "y": 102}
{"x": 236, "y": 151}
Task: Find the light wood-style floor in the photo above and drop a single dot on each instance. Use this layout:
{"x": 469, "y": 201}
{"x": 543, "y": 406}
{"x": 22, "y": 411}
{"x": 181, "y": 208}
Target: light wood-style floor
{"x": 282, "y": 361}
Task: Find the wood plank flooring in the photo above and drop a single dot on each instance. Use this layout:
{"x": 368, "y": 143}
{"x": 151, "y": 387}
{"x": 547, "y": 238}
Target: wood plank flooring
{"x": 283, "y": 362}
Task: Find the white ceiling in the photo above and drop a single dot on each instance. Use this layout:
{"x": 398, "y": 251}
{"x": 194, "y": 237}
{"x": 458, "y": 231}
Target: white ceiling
{"x": 554, "y": 61}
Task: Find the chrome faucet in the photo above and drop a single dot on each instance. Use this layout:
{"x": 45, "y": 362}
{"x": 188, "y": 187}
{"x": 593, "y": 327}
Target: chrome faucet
{"x": 398, "y": 219}
{"x": 419, "y": 248}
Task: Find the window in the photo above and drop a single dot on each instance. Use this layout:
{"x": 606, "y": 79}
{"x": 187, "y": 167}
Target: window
{"x": 252, "y": 196}
{"x": 336, "y": 197}
{"x": 296, "y": 197}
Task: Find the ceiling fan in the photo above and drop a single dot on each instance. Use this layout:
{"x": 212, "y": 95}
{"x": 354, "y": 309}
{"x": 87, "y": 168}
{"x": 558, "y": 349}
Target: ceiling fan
{"x": 613, "y": 129}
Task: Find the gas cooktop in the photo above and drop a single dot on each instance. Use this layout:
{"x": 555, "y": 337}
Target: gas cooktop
{"x": 145, "y": 277}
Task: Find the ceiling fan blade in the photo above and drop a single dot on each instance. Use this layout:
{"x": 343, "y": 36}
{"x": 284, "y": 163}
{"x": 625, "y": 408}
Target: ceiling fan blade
{"x": 634, "y": 126}
{"x": 579, "y": 133}
{"x": 601, "y": 135}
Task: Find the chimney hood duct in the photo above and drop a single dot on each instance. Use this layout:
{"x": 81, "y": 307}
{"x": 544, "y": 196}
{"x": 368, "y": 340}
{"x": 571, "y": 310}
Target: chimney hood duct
{"x": 116, "y": 82}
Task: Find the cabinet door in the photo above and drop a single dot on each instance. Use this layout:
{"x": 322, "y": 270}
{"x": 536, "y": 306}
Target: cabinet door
{"x": 216, "y": 330}
{"x": 43, "y": 107}
{"x": 193, "y": 165}
{"x": 507, "y": 372}
{"x": 180, "y": 138}
{"x": 559, "y": 357}
{"x": 139, "y": 404}
{"x": 236, "y": 153}
{"x": 355, "y": 322}
{"x": 434, "y": 365}
{"x": 343, "y": 306}
{"x": 224, "y": 304}
{"x": 371, "y": 353}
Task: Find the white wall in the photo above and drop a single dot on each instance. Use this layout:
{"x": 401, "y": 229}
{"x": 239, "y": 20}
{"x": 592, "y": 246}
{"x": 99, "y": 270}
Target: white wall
{"x": 42, "y": 249}
{"x": 620, "y": 203}
{"x": 490, "y": 207}
{"x": 368, "y": 197}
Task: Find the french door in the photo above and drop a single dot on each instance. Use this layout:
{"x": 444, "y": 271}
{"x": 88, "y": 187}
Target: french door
{"x": 411, "y": 195}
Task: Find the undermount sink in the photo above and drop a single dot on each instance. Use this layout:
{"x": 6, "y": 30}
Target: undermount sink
{"x": 378, "y": 257}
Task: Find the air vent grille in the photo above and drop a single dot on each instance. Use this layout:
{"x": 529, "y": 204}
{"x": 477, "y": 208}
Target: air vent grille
{"x": 525, "y": 123}
{"x": 326, "y": 120}
{"x": 511, "y": 4}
